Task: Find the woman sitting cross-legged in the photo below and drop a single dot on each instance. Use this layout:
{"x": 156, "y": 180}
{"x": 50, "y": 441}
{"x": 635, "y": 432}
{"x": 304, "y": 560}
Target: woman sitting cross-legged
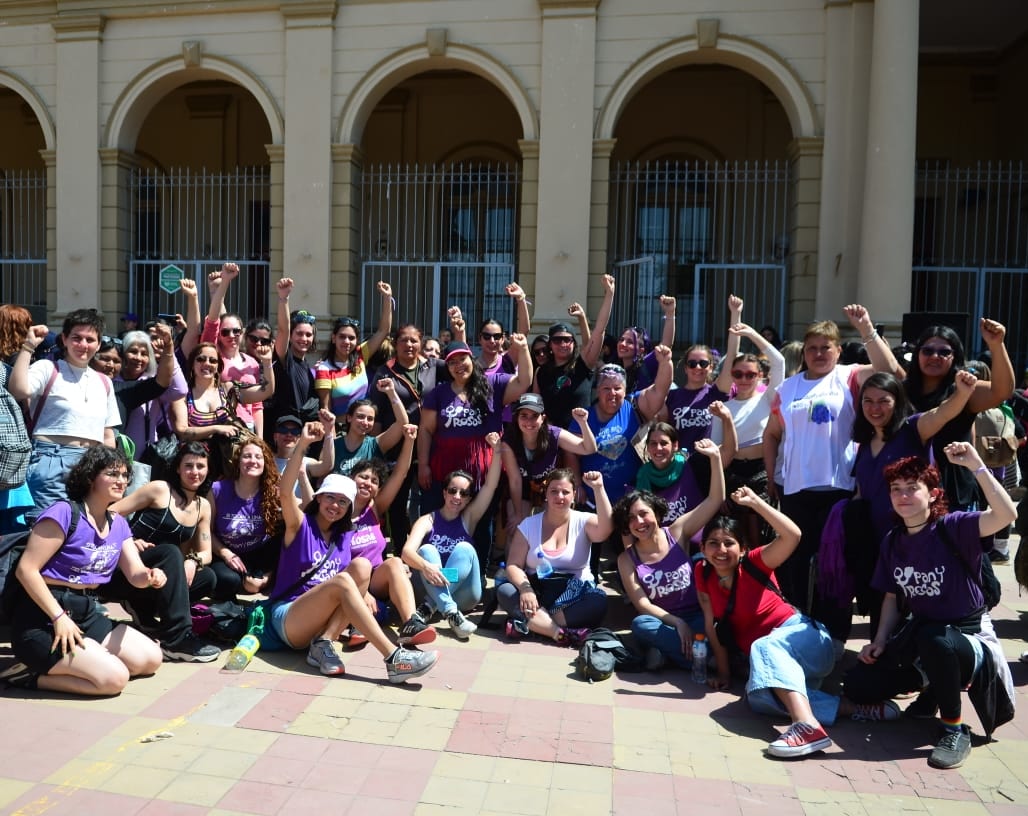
{"x": 550, "y": 590}
{"x": 933, "y": 561}
{"x": 59, "y": 631}
{"x": 656, "y": 570}
{"x": 789, "y": 653}
{"x": 314, "y": 599}
{"x": 442, "y": 540}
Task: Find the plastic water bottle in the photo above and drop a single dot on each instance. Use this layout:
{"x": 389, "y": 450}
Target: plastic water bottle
{"x": 699, "y": 659}
{"x": 501, "y": 575}
{"x": 544, "y": 569}
{"x": 243, "y": 653}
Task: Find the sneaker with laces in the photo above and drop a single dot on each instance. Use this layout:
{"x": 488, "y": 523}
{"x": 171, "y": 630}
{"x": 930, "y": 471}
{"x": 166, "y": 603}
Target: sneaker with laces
{"x": 924, "y": 707}
{"x": 800, "y": 740}
{"x": 516, "y": 628}
{"x": 406, "y": 664}
{"x": 426, "y": 611}
{"x": 885, "y": 711}
{"x": 416, "y": 632}
{"x": 19, "y": 676}
{"x": 572, "y": 637}
{"x": 654, "y": 659}
{"x": 951, "y": 750}
{"x": 323, "y": 656}
{"x": 461, "y": 626}
{"x": 191, "y": 649}
{"x": 355, "y": 639}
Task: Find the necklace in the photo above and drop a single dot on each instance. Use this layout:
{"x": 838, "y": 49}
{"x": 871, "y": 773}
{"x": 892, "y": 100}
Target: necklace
{"x": 916, "y": 526}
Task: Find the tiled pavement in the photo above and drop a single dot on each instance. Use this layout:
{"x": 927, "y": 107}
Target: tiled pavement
{"x": 494, "y": 728}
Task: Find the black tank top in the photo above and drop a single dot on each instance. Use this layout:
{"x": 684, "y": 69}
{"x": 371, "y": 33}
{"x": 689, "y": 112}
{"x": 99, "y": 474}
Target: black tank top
{"x": 161, "y": 527}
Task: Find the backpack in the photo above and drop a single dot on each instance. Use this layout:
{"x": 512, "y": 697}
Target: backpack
{"x": 602, "y": 653}
{"x": 11, "y": 548}
{"x": 15, "y": 445}
{"x": 995, "y": 437}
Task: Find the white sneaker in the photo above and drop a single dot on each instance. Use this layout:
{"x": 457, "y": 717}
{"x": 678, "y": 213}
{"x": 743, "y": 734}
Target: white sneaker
{"x": 461, "y": 626}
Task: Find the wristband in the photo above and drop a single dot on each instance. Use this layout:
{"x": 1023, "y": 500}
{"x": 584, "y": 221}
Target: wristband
{"x": 982, "y": 468}
{"x": 61, "y": 615}
{"x": 870, "y": 337}
{"x": 28, "y": 348}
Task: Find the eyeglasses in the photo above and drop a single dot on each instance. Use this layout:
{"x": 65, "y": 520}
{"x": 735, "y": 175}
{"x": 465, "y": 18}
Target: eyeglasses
{"x": 458, "y": 491}
{"x": 203, "y": 358}
{"x": 700, "y": 364}
{"x": 333, "y": 498}
{"x": 343, "y": 322}
{"x": 291, "y": 430}
{"x": 745, "y": 375}
{"x": 303, "y": 316}
{"x": 231, "y": 332}
{"x": 259, "y": 341}
{"x": 562, "y": 340}
{"x": 491, "y": 335}
{"x": 116, "y": 475}
{"x": 941, "y": 352}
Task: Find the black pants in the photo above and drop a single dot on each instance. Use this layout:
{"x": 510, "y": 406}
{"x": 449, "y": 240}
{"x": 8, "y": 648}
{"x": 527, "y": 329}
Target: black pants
{"x": 169, "y": 605}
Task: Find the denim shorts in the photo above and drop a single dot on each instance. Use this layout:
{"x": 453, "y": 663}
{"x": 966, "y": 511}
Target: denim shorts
{"x": 274, "y": 637}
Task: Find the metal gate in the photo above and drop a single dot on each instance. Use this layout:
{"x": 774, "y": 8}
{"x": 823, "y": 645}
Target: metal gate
{"x": 23, "y": 240}
{"x": 197, "y": 221}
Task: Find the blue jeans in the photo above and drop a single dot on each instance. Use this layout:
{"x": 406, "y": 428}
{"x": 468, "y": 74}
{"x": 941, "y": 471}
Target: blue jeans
{"x": 466, "y": 591}
{"x": 651, "y": 631}
{"x": 48, "y": 470}
{"x": 795, "y": 656}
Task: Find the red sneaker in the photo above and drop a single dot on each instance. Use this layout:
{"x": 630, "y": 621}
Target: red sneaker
{"x": 801, "y": 739}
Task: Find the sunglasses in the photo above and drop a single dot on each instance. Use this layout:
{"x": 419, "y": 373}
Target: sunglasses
{"x": 114, "y": 341}
{"x": 699, "y": 364}
{"x": 303, "y": 316}
{"x": 259, "y": 341}
{"x": 343, "y": 322}
{"x": 491, "y": 335}
{"x": 231, "y": 332}
{"x": 539, "y": 350}
{"x": 562, "y": 340}
{"x": 941, "y": 352}
{"x": 290, "y": 430}
{"x": 203, "y": 358}
{"x": 458, "y": 491}
{"x": 744, "y": 375}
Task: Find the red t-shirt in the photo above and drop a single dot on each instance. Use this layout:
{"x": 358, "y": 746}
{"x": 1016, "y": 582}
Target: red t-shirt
{"x": 757, "y": 611}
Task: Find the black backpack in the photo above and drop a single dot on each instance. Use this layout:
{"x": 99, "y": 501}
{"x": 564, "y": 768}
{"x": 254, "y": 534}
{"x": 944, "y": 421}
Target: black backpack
{"x": 12, "y": 546}
{"x": 603, "y": 653}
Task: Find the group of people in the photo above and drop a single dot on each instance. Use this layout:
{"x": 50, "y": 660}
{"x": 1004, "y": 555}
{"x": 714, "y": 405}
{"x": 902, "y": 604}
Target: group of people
{"x": 289, "y": 478}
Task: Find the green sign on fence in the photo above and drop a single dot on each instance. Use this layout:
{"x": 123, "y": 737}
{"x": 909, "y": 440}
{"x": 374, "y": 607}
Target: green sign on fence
{"x": 171, "y": 279}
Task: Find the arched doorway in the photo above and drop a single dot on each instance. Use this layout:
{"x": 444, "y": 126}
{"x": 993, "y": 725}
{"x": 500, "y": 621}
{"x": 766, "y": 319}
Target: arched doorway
{"x": 23, "y": 221}
{"x": 699, "y": 193}
{"x": 198, "y": 194}
{"x": 441, "y": 197}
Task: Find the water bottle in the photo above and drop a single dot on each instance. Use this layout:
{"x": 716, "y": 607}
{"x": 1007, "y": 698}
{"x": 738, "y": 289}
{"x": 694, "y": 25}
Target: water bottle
{"x": 699, "y": 659}
{"x": 243, "y": 653}
{"x": 501, "y": 575}
{"x": 544, "y": 569}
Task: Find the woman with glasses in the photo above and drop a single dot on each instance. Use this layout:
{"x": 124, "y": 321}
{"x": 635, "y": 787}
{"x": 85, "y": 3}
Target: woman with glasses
{"x": 635, "y": 348}
{"x": 258, "y": 333}
{"x": 491, "y": 335}
{"x": 565, "y": 380}
{"x": 937, "y": 357}
{"x": 811, "y": 428}
{"x": 540, "y": 350}
{"x": 341, "y": 376}
{"x": 59, "y": 631}
{"x": 238, "y": 367}
{"x": 440, "y": 549}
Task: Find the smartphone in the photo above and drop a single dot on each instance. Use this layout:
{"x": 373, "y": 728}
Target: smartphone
{"x": 170, "y": 319}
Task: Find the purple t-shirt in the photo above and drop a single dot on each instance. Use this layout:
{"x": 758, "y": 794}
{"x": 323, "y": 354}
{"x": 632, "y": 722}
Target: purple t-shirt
{"x": 687, "y": 412}
{"x": 85, "y": 557}
{"x": 368, "y": 541}
{"x": 920, "y": 568}
{"x": 668, "y": 583}
{"x": 539, "y": 466}
{"x": 869, "y": 469}
{"x": 239, "y": 522}
{"x": 445, "y": 535}
{"x": 308, "y": 549}
{"x": 459, "y": 419}
{"x": 682, "y": 495}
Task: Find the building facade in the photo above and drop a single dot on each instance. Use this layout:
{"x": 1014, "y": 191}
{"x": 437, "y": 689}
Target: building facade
{"x": 804, "y": 154}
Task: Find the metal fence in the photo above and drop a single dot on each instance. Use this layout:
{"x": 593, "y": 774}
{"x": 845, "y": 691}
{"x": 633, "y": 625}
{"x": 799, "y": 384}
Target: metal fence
{"x": 23, "y": 239}
{"x": 682, "y": 227}
{"x": 197, "y": 220}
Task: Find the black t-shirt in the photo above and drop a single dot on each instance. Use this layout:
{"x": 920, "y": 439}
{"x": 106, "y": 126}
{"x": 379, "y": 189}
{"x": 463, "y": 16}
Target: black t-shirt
{"x": 563, "y": 389}
{"x": 958, "y": 482}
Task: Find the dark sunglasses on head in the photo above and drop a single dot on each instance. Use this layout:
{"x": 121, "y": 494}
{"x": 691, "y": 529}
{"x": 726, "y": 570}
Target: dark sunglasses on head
{"x": 458, "y": 491}
{"x": 113, "y": 341}
{"x": 343, "y": 322}
{"x": 698, "y": 363}
{"x": 231, "y": 332}
{"x": 936, "y": 351}
{"x": 288, "y": 430}
{"x": 303, "y": 316}
{"x": 259, "y": 341}
{"x": 744, "y": 375}
{"x": 491, "y": 335}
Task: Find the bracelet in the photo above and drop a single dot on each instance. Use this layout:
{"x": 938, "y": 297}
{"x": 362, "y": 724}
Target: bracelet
{"x": 196, "y": 559}
{"x": 870, "y": 337}
{"x": 28, "y": 348}
{"x": 61, "y": 615}
{"x": 982, "y": 468}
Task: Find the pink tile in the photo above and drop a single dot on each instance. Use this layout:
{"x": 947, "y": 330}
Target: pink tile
{"x": 383, "y": 807}
{"x": 278, "y": 770}
{"x": 297, "y": 746}
{"x": 276, "y": 711}
{"x": 307, "y": 800}
{"x": 328, "y": 776}
{"x": 585, "y": 753}
{"x": 635, "y": 805}
{"x": 764, "y": 799}
{"x": 407, "y": 760}
{"x": 354, "y": 754}
{"x": 701, "y": 792}
{"x": 388, "y": 784}
{"x": 256, "y": 797}
{"x": 541, "y": 750}
{"x": 156, "y": 807}
{"x": 61, "y": 801}
{"x": 643, "y": 785}
{"x": 490, "y": 702}
{"x": 303, "y": 683}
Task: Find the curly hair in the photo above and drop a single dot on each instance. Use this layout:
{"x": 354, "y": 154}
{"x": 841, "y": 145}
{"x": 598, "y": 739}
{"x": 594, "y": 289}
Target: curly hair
{"x": 623, "y": 507}
{"x": 378, "y": 467}
{"x": 192, "y": 448}
{"x": 271, "y": 504}
{"x": 190, "y": 371}
{"x": 84, "y": 317}
{"x": 15, "y": 322}
{"x": 84, "y": 472}
{"x": 916, "y": 469}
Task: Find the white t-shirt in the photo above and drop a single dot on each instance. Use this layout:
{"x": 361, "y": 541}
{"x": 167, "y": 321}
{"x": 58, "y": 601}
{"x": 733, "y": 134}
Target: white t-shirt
{"x": 80, "y": 404}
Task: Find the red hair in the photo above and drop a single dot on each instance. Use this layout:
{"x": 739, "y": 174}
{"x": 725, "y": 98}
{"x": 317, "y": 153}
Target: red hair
{"x": 916, "y": 469}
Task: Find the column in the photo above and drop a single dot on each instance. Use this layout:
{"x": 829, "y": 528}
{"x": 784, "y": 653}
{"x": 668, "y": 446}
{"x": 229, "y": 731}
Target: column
{"x": 599, "y": 215}
{"x": 50, "y": 160}
{"x": 307, "y": 171}
{"x": 115, "y": 231}
{"x": 528, "y": 233}
{"x": 77, "y": 177}
{"x": 803, "y": 217}
{"x": 347, "y": 169}
{"x": 886, "y": 236}
{"x": 276, "y": 161}
{"x": 565, "y": 154}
